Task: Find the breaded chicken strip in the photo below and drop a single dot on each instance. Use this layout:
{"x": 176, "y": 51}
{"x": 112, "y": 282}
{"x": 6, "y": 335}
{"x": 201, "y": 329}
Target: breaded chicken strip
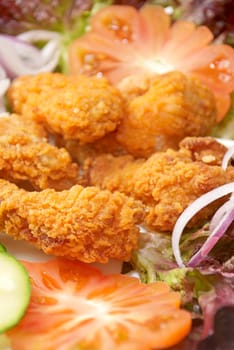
{"x": 28, "y": 159}
{"x": 81, "y": 108}
{"x": 167, "y": 182}
{"x": 172, "y": 107}
{"x": 81, "y": 223}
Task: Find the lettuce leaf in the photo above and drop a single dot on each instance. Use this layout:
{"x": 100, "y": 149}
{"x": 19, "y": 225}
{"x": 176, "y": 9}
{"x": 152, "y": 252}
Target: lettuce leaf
{"x": 204, "y": 290}
{"x": 67, "y": 17}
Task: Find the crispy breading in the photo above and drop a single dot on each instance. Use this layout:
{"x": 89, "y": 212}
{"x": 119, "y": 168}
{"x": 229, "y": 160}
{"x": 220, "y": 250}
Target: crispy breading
{"x": 11, "y": 125}
{"x": 36, "y": 164}
{"x": 166, "y": 183}
{"x": 206, "y": 149}
{"x": 173, "y": 107}
{"x": 81, "y": 108}
{"x": 27, "y": 159}
{"x": 80, "y": 153}
{"x": 80, "y": 223}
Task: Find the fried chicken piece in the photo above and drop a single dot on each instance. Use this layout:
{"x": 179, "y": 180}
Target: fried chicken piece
{"x": 14, "y": 124}
{"x": 173, "y": 107}
{"x": 27, "y": 158}
{"x": 205, "y": 149}
{"x": 80, "y": 153}
{"x": 81, "y": 108}
{"x": 80, "y": 223}
{"x": 40, "y": 164}
{"x": 166, "y": 183}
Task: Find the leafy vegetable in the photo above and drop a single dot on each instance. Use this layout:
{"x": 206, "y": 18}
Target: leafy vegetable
{"x": 204, "y": 289}
{"x": 223, "y": 331}
{"x": 225, "y": 129}
{"x": 68, "y": 17}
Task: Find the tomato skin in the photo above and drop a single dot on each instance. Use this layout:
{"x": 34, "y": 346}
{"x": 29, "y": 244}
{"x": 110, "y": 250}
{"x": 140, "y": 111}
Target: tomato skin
{"x": 124, "y": 42}
{"x": 75, "y": 305}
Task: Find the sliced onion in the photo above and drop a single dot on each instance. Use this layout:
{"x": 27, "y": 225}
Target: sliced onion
{"x": 38, "y": 35}
{"x": 214, "y": 237}
{"x": 227, "y": 157}
{"x": 192, "y": 210}
{"x": 4, "y": 84}
{"x": 19, "y": 57}
{"x": 221, "y": 212}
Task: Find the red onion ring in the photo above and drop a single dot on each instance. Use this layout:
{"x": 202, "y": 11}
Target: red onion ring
{"x": 221, "y": 212}
{"x": 214, "y": 237}
{"x": 189, "y": 213}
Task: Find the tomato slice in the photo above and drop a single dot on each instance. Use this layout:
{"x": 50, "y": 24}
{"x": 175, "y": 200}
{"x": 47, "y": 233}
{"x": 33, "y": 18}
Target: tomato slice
{"x": 123, "y": 42}
{"x": 74, "y": 306}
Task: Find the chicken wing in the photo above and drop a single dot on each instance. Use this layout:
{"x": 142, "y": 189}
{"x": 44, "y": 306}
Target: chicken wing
{"x": 80, "y": 223}
{"x": 167, "y": 182}
{"x": 28, "y": 159}
{"x": 81, "y": 108}
{"x": 168, "y": 108}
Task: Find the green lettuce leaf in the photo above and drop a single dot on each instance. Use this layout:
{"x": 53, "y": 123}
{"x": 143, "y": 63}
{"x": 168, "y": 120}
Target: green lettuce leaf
{"x": 154, "y": 261}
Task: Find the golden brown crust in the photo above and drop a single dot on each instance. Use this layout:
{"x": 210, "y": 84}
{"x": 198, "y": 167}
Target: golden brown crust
{"x": 27, "y": 159}
{"x": 14, "y": 124}
{"x": 173, "y": 107}
{"x": 81, "y": 223}
{"x": 205, "y": 149}
{"x": 166, "y": 183}
{"x": 81, "y": 108}
{"x": 80, "y": 153}
{"x": 38, "y": 164}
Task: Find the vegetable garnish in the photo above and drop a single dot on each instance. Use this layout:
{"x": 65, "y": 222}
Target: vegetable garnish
{"x": 4, "y": 84}
{"x": 74, "y": 306}
{"x": 216, "y": 233}
{"x": 19, "y": 57}
{"x": 14, "y": 290}
{"x": 123, "y": 41}
{"x": 227, "y": 157}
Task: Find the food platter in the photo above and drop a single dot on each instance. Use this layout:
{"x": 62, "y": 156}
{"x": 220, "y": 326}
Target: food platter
{"x": 24, "y": 251}
{"x": 134, "y": 91}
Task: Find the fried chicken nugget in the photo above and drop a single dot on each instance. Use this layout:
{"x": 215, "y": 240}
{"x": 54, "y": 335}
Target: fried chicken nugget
{"x": 174, "y": 106}
{"x": 27, "y": 158}
{"x": 166, "y": 183}
{"x": 81, "y": 108}
{"x": 11, "y": 125}
{"x": 81, "y": 223}
{"x": 80, "y": 153}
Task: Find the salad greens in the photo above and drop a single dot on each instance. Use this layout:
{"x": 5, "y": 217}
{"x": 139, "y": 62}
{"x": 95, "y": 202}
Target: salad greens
{"x": 203, "y": 289}
{"x": 225, "y": 129}
{"x": 208, "y": 287}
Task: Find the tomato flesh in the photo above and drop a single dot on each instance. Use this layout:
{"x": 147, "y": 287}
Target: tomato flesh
{"x": 124, "y": 42}
{"x": 74, "y": 305}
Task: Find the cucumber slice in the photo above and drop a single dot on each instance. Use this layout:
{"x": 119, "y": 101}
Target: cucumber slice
{"x": 2, "y": 249}
{"x": 15, "y": 291}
